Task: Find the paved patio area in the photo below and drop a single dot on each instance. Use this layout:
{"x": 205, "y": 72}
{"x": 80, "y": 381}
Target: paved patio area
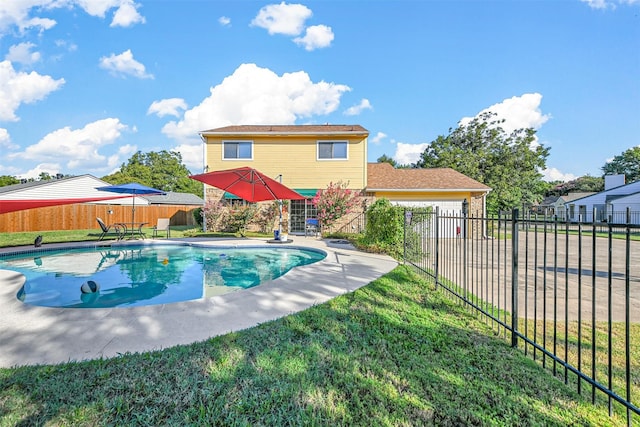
{"x": 40, "y": 335}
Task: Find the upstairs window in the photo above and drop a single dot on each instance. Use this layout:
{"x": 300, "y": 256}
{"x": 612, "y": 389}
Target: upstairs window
{"x": 234, "y": 150}
{"x": 332, "y": 150}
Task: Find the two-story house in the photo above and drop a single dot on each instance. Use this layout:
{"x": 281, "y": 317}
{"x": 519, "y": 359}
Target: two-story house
{"x": 307, "y": 158}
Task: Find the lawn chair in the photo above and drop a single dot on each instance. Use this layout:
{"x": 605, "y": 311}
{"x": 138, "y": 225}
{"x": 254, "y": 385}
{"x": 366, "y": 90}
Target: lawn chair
{"x": 312, "y": 226}
{"x": 162, "y": 225}
{"x": 116, "y": 229}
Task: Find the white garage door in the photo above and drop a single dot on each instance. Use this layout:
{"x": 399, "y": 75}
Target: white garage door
{"x": 449, "y": 227}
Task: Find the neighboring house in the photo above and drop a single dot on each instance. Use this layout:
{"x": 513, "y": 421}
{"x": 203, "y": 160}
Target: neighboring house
{"x": 558, "y": 205}
{"x": 76, "y": 187}
{"x": 609, "y": 205}
{"x": 173, "y": 198}
{"x": 548, "y": 206}
{"x": 307, "y": 158}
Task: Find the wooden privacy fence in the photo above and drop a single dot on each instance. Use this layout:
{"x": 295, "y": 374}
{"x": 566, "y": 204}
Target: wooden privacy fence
{"x": 83, "y": 216}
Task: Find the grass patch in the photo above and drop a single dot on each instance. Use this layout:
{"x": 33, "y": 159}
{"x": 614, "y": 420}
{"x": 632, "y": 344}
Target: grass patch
{"x": 62, "y": 236}
{"x": 396, "y": 352}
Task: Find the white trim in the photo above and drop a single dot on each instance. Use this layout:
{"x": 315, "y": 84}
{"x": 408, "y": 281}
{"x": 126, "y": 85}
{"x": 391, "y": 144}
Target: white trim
{"x": 428, "y": 190}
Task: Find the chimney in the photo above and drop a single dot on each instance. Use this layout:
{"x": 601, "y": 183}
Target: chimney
{"x": 613, "y": 181}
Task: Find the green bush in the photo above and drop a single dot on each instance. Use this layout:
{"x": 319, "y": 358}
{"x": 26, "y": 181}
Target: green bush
{"x": 384, "y": 231}
{"x": 197, "y": 215}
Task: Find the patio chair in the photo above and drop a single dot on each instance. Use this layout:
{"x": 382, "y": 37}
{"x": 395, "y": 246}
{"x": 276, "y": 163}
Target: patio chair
{"x": 162, "y": 225}
{"x": 116, "y": 229}
{"x": 312, "y": 226}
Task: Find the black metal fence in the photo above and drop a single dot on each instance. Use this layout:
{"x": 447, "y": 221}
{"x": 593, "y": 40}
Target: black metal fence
{"x": 567, "y": 294}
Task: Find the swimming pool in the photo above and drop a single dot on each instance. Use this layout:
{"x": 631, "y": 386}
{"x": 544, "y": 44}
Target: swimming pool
{"x": 129, "y": 276}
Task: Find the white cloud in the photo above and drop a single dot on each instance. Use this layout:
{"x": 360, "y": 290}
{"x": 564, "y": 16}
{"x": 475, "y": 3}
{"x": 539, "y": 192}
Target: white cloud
{"x": 409, "y": 153}
{"x": 123, "y": 65}
{"x": 16, "y": 13}
{"x": 22, "y": 54}
{"x": 191, "y": 157}
{"x": 598, "y": 4}
{"x": 224, "y": 21}
{"x": 316, "y": 37}
{"x": 378, "y": 138}
{"x": 76, "y": 148}
{"x": 18, "y": 88}
{"x": 254, "y": 95}
{"x": 282, "y": 18}
{"x": 71, "y": 47}
{"x": 609, "y": 4}
{"x": 553, "y": 174}
{"x": 127, "y": 15}
{"x": 50, "y": 168}
{"x": 22, "y": 13}
{"x": 167, "y": 107}
{"x": 5, "y": 140}
{"x": 357, "y": 109}
{"x": 519, "y": 112}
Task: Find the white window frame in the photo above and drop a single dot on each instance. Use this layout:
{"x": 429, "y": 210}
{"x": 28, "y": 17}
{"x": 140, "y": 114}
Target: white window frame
{"x": 332, "y": 158}
{"x": 235, "y": 141}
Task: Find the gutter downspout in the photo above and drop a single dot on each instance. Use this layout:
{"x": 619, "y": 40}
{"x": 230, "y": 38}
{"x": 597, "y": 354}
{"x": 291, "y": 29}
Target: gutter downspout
{"x": 204, "y": 186}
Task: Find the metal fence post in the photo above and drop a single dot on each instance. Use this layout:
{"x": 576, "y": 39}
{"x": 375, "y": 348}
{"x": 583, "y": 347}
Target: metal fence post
{"x": 514, "y": 278}
{"x": 437, "y": 243}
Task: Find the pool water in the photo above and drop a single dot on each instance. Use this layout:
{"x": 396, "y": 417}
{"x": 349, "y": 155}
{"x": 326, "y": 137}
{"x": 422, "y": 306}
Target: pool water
{"x": 130, "y": 276}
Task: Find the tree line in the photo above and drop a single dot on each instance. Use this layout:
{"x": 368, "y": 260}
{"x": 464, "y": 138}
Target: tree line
{"x": 511, "y": 163}
{"x": 163, "y": 170}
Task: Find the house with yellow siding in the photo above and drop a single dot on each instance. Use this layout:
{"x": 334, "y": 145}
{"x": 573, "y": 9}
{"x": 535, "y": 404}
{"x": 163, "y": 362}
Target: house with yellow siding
{"x": 307, "y": 158}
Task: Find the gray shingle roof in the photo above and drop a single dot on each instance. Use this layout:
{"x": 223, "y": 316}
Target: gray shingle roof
{"x": 173, "y": 198}
{"x": 288, "y": 130}
{"x": 383, "y": 176}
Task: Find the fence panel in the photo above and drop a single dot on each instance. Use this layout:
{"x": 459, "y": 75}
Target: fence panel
{"x": 83, "y": 216}
{"x": 566, "y": 294}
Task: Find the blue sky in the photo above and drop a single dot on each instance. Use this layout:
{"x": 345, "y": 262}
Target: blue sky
{"x": 84, "y": 84}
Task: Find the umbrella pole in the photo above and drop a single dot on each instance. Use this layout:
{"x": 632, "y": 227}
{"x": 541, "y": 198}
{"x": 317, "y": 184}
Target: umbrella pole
{"x": 280, "y": 222}
{"x": 133, "y": 214}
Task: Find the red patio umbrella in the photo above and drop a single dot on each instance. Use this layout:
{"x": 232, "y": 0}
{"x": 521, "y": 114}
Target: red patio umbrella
{"x": 7, "y": 206}
{"x": 248, "y": 184}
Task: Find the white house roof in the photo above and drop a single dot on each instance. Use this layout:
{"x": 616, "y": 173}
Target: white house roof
{"x": 623, "y": 190}
{"x": 83, "y": 186}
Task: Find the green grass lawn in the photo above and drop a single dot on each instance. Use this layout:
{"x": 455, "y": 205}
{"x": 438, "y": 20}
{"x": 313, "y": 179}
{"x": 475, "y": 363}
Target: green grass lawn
{"x": 27, "y": 238}
{"x": 395, "y": 352}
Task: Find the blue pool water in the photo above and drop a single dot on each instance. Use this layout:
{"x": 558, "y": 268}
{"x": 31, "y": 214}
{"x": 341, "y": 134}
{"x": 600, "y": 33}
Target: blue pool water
{"x": 130, "y": 276}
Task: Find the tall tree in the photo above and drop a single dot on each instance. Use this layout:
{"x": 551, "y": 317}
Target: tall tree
{"x": 8, "y": 180}
{"x": 386, "y": 159}
{"x": 583, "y": 184}
{"x": 508, "y": 163}
{"x": 627, "y": 163}
{"x": 163, "y": 170}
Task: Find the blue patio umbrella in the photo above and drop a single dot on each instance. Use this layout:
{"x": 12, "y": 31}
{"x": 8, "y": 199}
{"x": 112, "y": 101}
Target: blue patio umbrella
{"x": 134, "y": 189}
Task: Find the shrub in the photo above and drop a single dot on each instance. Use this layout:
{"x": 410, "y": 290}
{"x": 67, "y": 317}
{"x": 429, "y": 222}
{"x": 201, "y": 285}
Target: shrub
{"x": 240, "y": 217}
{"x": 334, "y": 203}
{"x": 266, "y": 217}
{"x": 215, "y": 215}
{"x": 384, "y": 230}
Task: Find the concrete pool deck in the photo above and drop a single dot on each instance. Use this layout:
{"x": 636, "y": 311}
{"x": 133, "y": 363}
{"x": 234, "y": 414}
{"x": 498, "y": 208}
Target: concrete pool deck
{"x": 31, "y": 335}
